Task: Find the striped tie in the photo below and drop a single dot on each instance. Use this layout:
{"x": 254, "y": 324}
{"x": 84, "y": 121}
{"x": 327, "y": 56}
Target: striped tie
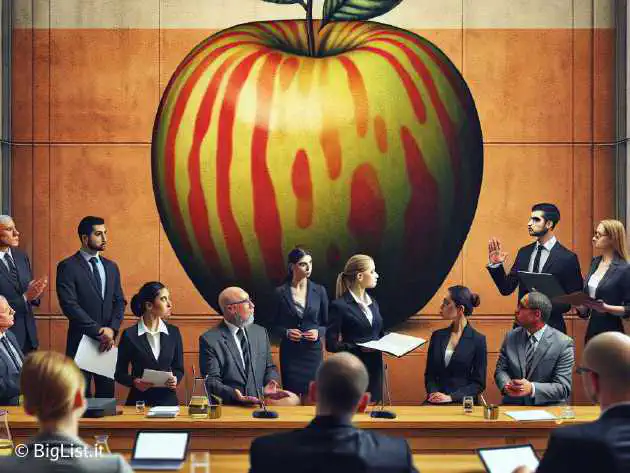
{"x": 529, "y": 353}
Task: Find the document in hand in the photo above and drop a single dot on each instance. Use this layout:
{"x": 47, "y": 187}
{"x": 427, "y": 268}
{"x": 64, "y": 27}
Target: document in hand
{"x": 541, "y": 282}
{"x": 575, "y": 298}
{"x": 157, "y": 378}
{"x": 397, "y": 344}
{"x": 90, "y": 358}
{"x": 531, "y": 415}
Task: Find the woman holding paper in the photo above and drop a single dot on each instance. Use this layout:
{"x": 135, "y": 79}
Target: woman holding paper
{"x": 354, "y": 317}
{"x": 457, "y": 358}
{"x": 151, "y": 344}
{"x": 608, "y": 281}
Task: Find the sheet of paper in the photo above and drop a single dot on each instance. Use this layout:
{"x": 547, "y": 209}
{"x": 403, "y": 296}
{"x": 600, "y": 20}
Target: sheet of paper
{"x": 158, "y": 378}
{"x": 530, "y": 415}
{"x": 90, "y": 358}
{"x": 505, "y": 460}
{"x": 397, "y": 344}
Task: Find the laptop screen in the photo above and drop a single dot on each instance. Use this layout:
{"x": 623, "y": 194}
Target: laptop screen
{"x": 160, "y": 445}
{"x": 507, "y": 459}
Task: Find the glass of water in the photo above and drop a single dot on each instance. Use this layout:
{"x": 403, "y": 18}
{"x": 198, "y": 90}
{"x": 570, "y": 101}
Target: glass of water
{"x": 140, "y": 405}
{"x": 199, "y": 462}
{"x": 468, "y": 404}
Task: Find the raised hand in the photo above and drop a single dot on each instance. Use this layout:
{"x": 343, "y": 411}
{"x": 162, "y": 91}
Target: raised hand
{"x": 496, "y": 254}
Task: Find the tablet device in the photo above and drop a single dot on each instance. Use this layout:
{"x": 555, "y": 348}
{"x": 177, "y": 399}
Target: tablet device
{"x": 541, "y": 282}
{"x": 160, "y": 449}
{"x": 506, "y": 459}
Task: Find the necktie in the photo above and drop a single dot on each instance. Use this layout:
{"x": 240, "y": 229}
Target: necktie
{"x": 97, "y": 275}
{"x": 529, "y": 353}
{"x": 240, "y": 334}
{"x": 7, "y": 347}
{"x": 537, "y": 267}
{"x": 12, "y": 268}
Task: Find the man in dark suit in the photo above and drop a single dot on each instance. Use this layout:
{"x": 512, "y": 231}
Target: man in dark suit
{"x": 18, "y": 286}
{"x": 330, "y": 443}
{"x": 11, "y": 357}
{"x": 601, "y": 445}
{"x": 536, "y": 361}
{"x": 235, "y": 357}
{"x": 90, "y": 295}
{"x": 545, "y": 255}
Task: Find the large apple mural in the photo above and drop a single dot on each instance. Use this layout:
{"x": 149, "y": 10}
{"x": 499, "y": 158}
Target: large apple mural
{"x": 362, "y": 138}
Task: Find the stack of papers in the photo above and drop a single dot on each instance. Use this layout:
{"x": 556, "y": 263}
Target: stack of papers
{"x": 531, "y": 415}
{"x": 163, "y": 411}
{"x": 396, "y": 344}
{"x": 157, "y": 378}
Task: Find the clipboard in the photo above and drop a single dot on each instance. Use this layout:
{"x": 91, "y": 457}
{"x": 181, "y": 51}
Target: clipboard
{"x": 541, "y": 282}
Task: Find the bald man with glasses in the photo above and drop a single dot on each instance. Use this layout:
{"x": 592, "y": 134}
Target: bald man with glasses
{"x": 11, "y": 357}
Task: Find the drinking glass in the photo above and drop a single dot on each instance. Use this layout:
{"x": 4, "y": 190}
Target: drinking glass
{"x": 6, "y": 441}
{"x": 468, "y": 404}
{"x": 200, "y": 462}
{"x": 100, "y": 444}
{"x": 140, "y": 405}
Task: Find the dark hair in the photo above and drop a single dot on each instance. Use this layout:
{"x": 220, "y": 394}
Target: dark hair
{"x": 550, "y": 212}
{"x": 464, "y": 297}
{"x": 87, "y": 223}
{"x": 295, "y": 255}
{"x": 147, "y": 293}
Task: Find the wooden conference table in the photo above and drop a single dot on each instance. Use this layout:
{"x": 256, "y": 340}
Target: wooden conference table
{"x": 428, "y": 429}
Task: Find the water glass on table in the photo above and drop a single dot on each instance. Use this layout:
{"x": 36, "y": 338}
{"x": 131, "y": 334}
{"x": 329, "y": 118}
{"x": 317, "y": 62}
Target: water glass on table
{"x": 140, "y": 405}
{"x": 199, "y": 462}
{"x": 468, "y": 404}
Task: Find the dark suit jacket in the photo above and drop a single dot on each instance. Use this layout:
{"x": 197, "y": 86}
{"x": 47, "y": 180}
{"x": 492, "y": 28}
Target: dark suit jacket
{"x": 24, "y": 327}
{"x": 465, "y": 375}
{"x": 136, "y": 350}
{"x": 83, "y": 304}
{"x": 330, "y": 445}
{"x": 602, "y": 445}
{"x": 220, "y": 361}
{"x": 562, "y": 263}
{"x": 9, "y": 376}
{"x": 614, "y": 289}
{"x": 315, "y": 313}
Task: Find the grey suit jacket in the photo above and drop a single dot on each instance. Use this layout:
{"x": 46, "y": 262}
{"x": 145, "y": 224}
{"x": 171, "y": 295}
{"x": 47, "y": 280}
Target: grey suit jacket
{"x": 220, "y": 362}
{"x": 551, "y": 368}
{"x": 62, "y": 454}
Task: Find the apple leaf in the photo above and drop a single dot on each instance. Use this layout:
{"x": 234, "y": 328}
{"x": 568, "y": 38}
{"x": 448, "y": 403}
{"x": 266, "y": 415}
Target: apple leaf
{"x": 347, "y": 10}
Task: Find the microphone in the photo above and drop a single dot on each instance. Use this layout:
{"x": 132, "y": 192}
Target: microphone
{"x": 263, "y": 413}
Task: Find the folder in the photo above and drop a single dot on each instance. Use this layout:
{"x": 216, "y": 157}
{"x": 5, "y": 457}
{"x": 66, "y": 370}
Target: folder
{"x": 541, "y": 282}
{"x": 575, "y": 298}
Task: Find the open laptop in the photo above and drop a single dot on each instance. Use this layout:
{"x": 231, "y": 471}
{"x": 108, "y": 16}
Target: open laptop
{"x": 160, "y": 449}
{"x": 507, "y": 459}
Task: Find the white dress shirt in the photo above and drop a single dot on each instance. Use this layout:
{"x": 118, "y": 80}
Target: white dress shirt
{"x": 233, "y": 329}
{"x": 593, "y": 282}
{"x": 544, "y": 255}
{"x": 153, "y": 337}
{"x": 365, "y": 306}
{"x": 99, "y": 266}
{"x": 2, "y": 253}
{"x": 448, "y": 354}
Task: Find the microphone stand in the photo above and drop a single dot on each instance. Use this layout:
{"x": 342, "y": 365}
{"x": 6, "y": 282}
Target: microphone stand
{"x": 263, "y": 413}
{"x": 382, "y": 413}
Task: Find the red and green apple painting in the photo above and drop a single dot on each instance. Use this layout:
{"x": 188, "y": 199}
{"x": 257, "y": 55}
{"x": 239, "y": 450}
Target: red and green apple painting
{"x": 341, "y": 135}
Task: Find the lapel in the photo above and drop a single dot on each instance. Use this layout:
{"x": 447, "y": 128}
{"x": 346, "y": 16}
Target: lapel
{"x": 520, "y": 351}
{"x": 552, "y": 258}
{"x": 88, "y": 270}
{"x": 5, "y": 272}
{"x": 286, "y": 294}
{"x": 143, "y": 344}
{"x": 310, "y": 295}
{"x": 541, "y": 350}
{"x": 165, "y": 350}
{"x": 228, "y": 342}
{"x": 356, "y": 311}
{"x": 594, "y": 264}
{"x": 463, "y": 341}
{"x": 526, "y": 255}
{"x": 442, "y": 343}
{"x": 612, "y": 269}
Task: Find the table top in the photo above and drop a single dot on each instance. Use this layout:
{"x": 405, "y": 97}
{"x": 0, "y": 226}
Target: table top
{"x": 408, "y": 417}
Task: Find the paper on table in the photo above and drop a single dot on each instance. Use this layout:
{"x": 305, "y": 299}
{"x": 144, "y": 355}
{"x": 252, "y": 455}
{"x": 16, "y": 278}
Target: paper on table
{"x": 397, "y": 344}
{"x": 157, "y": 378}
{"x": 90, "y": 358}
{"x": 531, "y": 415}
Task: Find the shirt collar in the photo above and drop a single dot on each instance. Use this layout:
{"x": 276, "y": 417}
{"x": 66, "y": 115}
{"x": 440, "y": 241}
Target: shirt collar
{"x": 8, "y": 250}
{"x": 539, "y": 334}
{"x": 233, "y": 328}
{"x": 360, "y": 302}
{"x": 142, "y": 328}
{"x": 548, "y": 245}
{"x": 87, "y": 256}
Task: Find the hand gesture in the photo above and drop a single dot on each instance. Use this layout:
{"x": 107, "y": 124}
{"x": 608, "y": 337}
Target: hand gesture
{"x": 249, "y": 400}
{"x": 597, "y": 306}
{"x": 311, "y": 335}
{"x": 141, "y": 385}
{"x": 294, "y": 334}
{"x": 36, "y": 288}
{"x": 496, "y": 254}
{"x": 271, "y": 387}
{"x": 171, "y": 383}
{"x": 439, "y": 398}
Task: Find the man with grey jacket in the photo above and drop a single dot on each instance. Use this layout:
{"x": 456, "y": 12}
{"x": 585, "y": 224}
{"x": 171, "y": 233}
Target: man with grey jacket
{"x": 536, "y": 361}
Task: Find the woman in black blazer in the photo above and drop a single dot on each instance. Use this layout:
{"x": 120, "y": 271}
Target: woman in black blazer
{"x": 301, "y": 309}
{"x": 151, "y": 344}
{"x": 458, "y": 356}
{"x": 355, "y": 318}
{"x": 608, "y": 281}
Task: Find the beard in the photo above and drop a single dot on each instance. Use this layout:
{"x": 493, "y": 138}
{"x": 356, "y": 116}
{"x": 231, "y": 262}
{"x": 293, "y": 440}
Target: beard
{"x": 542, "y": 232}
{"x": 95, "y": 247}
{"x": 240, "y": 323}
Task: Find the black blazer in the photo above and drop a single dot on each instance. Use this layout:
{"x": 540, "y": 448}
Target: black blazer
{"x": 562, "y": 263}
{"x": 330, "y": 445}
{"x": 614, "y": 289}
{"x": 346, "y": 320}
{"x": 136, "y": 350}
{"x": 601, "y": 445}
{"x": 24, "y": 327}
{"x": 315, "y": 313}
{"x": 465, "y": 375}
{"x": 83, "y": 304}
{"x": 9, "y": 376}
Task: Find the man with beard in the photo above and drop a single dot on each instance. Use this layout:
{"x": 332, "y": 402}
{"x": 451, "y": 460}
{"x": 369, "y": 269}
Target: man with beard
{"x": 235, "y": 357}
{"x": 90, "y": 295}
{"x": 545, "y": 255}
{"x": 18, "y": 286}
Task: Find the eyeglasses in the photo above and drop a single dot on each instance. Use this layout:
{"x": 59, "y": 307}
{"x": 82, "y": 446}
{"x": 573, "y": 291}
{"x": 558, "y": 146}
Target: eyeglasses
{"x": 244, "y": 301}
{"x": 598, "y": 235}
{"x": 583, "y": 369}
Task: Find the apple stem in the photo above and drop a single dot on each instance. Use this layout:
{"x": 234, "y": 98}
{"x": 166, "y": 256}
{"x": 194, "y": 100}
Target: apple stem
{"x": 310, "y": 32}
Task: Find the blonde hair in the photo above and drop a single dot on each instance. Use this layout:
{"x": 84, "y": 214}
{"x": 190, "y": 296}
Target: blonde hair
{"x": 49, "y": 382}
{"x": 617, "y": 234}
{"x": 355, "y": 265}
